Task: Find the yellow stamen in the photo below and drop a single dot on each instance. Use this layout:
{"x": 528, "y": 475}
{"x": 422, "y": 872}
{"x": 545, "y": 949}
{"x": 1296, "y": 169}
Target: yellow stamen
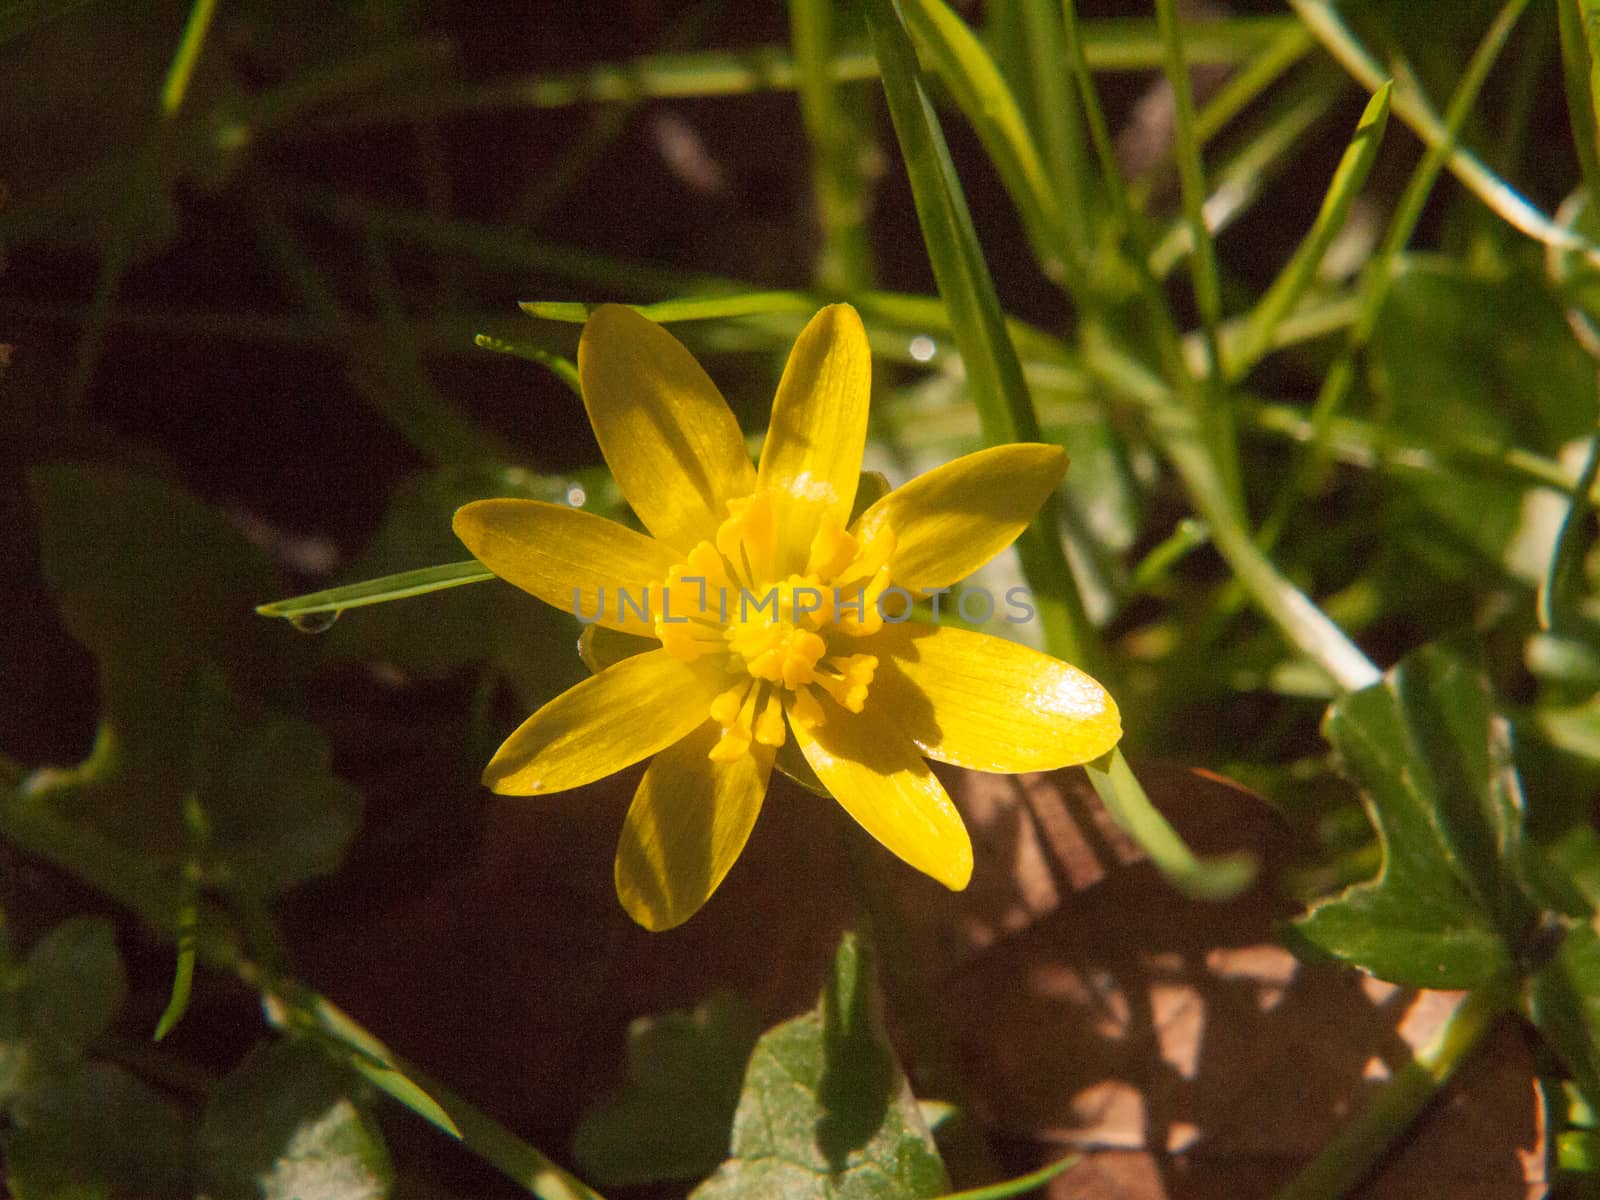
{"x": 849, "y": 686}
{"x": 832, "y": 550}
{"x": 773, "y": 635}
{"x": 769, "y": 726}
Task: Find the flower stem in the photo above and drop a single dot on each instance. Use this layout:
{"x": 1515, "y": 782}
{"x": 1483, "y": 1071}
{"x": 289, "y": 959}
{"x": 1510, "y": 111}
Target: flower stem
{"x": 1346, "y": 1160}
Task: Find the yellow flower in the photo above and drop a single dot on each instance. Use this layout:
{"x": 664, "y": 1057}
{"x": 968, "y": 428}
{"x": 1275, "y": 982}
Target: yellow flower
{"x": 766, "y": 615}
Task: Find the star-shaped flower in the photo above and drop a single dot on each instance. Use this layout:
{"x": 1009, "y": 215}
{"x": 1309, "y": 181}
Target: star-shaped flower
{"x": 770, "y": 615}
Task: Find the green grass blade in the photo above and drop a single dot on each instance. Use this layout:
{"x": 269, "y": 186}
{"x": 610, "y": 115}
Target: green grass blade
{"x": 1255, "y": 77}
{"x": 838, "y": 129}
{"x": 980, "y": 91}
{"x": 1056, "y": 117}
{"x": 562, "y": 368}
{"x": 1006, "y": 413}
{"x": 1345, "y": 1161}
{"x": 994, "y": 375}
{"x": 1348, "y": 179}
{"x": 1379, "y": 273}
{"x": 692, "y": 308}
{"x": 1136, "y": 44}
{"x": 1116, "y": 44}
{"x": 1412, "y": 107}
{"x": 377, "y": 591}
{"x": 1018, "y": 1186}
{"x": 186, "y": 922}
{"x": 1563, "y": 585}
{"x": 1578, "y": 65}
{"x": 1243, "y": 176}
{"x": 1216, "y": 419}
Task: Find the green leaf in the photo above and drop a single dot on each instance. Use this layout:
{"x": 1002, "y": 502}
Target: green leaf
{"x": 148, "y": 576}
{"x": 826, "y": 1110}
{"x": 1435, "y": 768}
{"x": 74, "y": 986}
{"x": 1564, "y": 1002}
{"x": 96, "y": 1132}
{"x": 670, "y": 1120}
{"x": 155, "y": 584}
{"x": 278, "y": 814}
{"x": 288, "y": 1124}
{"x": 1486, "y": 359}
{"x": 57, "y": 1002}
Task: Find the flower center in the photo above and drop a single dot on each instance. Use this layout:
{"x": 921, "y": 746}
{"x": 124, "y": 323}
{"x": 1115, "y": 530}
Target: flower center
{"x": 778, "y": 641}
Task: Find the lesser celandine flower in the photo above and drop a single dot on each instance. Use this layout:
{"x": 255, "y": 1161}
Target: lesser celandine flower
{"x": 763, "y": 608}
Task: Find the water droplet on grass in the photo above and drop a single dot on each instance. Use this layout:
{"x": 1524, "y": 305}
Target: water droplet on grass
{"x": 315, "y": 622}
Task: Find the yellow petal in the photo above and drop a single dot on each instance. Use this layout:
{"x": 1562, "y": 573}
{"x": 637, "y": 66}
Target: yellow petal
{"x": 951, "y": 520}
{"x": 595, "y": 728}
{"x": 872, "y": 768}
{"x": 811, "y": 460}
{"x": 567, "y": 557}
{"x": 982, "y": 702}
{"x": 688, "y": 822}
{"x": 667, "y": 434}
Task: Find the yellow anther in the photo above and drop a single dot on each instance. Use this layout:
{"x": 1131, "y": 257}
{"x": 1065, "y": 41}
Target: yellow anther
{"x": 686, "y": 640}
{"x": 832, "y": 550}
{"x": 861, "y": 615}
{"x": 733, "y": 745}
{"x": 748, "y": 539}
{"x": 769, "y": 725}
{"x": 803, "y": 707}
{"x": 735, "y": 709}
{"x": 849, "y": 686}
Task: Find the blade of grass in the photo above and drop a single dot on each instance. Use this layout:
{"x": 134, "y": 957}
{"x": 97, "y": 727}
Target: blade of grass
{"x": 1287, "y": 288}
{"x": 562, "y": 368}
{"x": 979, "y": 90}
{"x": 1249, "y": 81}
{"x": 994, "y": 374}
{"x": 693, "y": 308}
{"x": 838, "y": 132}
{"x": 1564, "y": 576}
{"x": 1055, "y": 115}
{"x": 1412, "y": 107}
{"x": 1019, "y": 1185}
{"x": 377, "y": 591}
{"x": 1578, "y": 66}
{"x": 186, "y": 925}
{"x": 387, "y": 373}
{"x": 1116, "y": 44}
{"x": 1005, "y": 409}
{"x": 1346, "y": 1160}
{"x": 1216, "y": 418}
{"x": 1379, "y": 272}
{"x": 495, "y": 246}
{"x": 1244, "y": 174}
{"x": 144, "y": 180}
